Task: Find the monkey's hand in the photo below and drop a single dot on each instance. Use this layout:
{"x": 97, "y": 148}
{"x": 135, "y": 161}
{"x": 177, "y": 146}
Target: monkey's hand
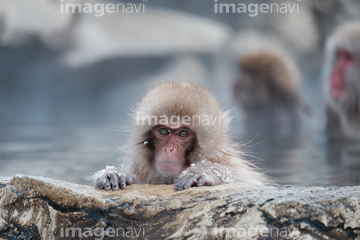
{"x": 112, "y": 178}
{"x": 204, "y": 173}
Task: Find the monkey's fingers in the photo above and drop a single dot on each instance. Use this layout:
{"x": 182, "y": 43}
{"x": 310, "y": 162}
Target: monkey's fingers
{"x": 184, "y": 182}
{"x": 130, "y": 179}
{"x": 113, "y": 181}
{"x": 107, "y": 185}
{"x": 107, "y": 181}
{"x": 122, "y": 181}
{"x": 101, "y": 179}
{"x": 202, "y": 181}
{"x": 112, "y": 178}
{"x": 99, "y": 184}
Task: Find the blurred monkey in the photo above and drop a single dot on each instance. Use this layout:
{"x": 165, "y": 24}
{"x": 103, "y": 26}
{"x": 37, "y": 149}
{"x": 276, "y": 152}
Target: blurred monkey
{"x": 342, "y": 82}
{"x": 268, "y": 90}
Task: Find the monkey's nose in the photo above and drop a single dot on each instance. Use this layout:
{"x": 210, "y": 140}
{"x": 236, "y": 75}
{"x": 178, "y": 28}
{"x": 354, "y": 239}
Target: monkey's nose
{"x": 169, "y": 150}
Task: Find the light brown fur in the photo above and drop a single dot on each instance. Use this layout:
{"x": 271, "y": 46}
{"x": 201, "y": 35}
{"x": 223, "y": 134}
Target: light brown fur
{"x": 269, "y": 91}
{"x": 215, "y": 157}
{"x": 275, "y": 67}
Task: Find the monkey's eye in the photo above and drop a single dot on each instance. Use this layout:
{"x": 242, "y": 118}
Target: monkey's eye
{"x": 345, "y": 55}
{"x": 183, "y": 134}
{"x": 349, "y": 57}
{"x": 164, "y": 131}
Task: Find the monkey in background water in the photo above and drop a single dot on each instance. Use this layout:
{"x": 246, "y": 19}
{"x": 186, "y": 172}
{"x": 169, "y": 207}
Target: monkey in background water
{"x": 342, "y": 83}
{"x": 268, "y": 91}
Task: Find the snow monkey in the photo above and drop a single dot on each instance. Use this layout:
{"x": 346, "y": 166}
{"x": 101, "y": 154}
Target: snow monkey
{"x": 268, "y": 90}
{"x": 179, "y": 135}
{"x": 342, "y": 82}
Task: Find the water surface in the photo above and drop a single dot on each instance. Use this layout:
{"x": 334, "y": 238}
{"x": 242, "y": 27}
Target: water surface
{"x": 74, "y": 154}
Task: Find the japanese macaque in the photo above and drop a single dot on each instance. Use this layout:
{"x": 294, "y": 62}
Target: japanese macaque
{"x": 268, "y": 90}
{"x": 179, "y": 136}
{"x": 342, "y": 83}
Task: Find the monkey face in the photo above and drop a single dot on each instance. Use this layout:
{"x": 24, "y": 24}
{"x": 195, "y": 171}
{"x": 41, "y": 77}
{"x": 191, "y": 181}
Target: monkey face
{"x": 342, "y": 74}
{"x": 351, "y": 74}
{"x": 343, "y": 68}
{"x": 171, "y": 149}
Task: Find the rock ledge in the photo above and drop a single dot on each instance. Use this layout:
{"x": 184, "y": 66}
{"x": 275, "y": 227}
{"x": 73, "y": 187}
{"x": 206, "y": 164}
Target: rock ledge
{"x": 42, "y": 208}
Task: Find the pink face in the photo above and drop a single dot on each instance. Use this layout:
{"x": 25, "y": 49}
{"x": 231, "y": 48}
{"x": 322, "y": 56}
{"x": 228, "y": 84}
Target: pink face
{"x": 338, "y": 86}
{"x": 171, "y": 148}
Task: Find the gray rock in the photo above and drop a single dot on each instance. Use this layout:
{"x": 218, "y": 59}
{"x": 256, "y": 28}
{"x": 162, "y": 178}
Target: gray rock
{"x": 41, "y": 208}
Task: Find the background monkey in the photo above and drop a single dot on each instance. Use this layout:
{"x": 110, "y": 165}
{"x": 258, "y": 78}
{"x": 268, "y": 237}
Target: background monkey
{"x": 179, "y": 135}
{"x": 268, "y": 90}
{"x": 342, "y": 82}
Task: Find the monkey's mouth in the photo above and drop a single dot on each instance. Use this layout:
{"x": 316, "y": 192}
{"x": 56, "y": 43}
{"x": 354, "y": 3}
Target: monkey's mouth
{"x": 169, "y": 168}
{"x": 338, "y": 92}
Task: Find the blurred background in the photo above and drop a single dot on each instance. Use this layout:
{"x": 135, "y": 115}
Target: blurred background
{"x": 68, "y": 81}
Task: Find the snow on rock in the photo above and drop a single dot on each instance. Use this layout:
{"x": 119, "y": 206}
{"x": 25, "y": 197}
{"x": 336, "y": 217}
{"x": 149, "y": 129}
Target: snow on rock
{"x": 41, "y": 208}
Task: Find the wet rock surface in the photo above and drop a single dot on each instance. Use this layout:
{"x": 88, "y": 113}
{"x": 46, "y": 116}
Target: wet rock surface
{"x": 42, "y": 208}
